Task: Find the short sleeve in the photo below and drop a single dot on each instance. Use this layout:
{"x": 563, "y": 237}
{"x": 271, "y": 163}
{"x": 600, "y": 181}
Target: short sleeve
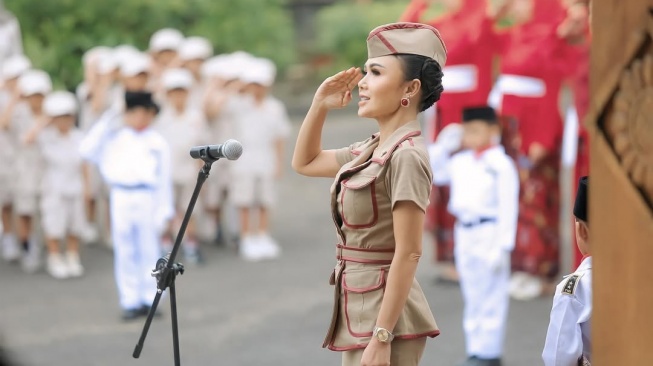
{"x": 346, "y": 154}
{"x": 409, "y": 178}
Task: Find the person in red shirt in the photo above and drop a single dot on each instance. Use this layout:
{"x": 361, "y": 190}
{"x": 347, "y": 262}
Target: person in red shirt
{"x": 575, "y": 30}
{"x": 534, "y": 63}
{"x": 469, "y": 35}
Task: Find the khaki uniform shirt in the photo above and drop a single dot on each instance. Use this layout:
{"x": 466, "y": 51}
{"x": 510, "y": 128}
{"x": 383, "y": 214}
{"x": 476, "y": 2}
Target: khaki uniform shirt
{"x": 371, "y": 180}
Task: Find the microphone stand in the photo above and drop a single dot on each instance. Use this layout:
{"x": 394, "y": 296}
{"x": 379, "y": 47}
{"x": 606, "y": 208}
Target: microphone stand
{"x": 166, "y": 270}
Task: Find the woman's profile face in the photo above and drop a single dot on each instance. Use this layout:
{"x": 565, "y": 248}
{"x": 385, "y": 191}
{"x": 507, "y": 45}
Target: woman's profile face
{"x": 381, "y": 88}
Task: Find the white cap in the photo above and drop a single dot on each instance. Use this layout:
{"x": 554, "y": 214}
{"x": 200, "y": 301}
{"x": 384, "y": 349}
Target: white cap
{"x": 227, "y": 67}
{"x": 259, "y": 71}
{"x": 213, "y": 66}
{"x": 15, "y": 66}
{"x": 135, "y": 64}
{"x": 94, "y": 55}
{"x": 34, "y": 82}
{"x": 166, "y": 39}
{"x": 195, "y": 48}
{"x": 101, "y": 58}
{"x": 124, "y": 52}
{"x": 60, "y": 103}
{"x": 177, "y": 79}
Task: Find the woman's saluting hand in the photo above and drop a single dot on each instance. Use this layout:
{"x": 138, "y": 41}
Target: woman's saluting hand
{"x": 335, "y": 91}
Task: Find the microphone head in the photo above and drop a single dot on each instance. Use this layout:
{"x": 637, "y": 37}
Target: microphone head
{"x": 232, "y": 149}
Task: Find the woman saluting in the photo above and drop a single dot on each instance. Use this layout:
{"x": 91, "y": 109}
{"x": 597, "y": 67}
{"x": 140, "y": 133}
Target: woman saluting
{"x": 379, "y": 195}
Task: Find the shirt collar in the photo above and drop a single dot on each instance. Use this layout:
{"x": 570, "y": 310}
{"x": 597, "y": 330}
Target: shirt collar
{"x": 403, "y": 133}
{"x": 585, "y": 264}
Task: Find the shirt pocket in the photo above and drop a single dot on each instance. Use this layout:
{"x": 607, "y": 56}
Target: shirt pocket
{"x": 358, "y": 205}
{"x": 363, "y": 295}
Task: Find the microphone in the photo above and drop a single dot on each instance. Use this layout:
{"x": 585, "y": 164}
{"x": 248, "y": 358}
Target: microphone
{"x": 230, "y": 150}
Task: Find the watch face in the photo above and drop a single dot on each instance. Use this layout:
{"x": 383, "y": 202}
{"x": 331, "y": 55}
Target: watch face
{"x": 382, "y": 335}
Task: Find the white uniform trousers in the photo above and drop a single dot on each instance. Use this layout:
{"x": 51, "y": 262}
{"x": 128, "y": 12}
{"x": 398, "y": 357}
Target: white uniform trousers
{"x": 484, "y": 290}
{"x": 137, "y": 245}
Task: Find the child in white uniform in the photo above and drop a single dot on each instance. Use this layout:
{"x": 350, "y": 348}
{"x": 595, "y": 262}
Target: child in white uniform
{"x": 222, "y": 75}
{"x": 164, "y": 50}
{"x": 65, "y": 180}
{"x": 568, "y": 340}
{"x": 135, "y": 162}
{"x": 183, "y": 126}
{"x": 96, "y": 94}
{"x": 12, "y": 69}
{"x": 193, "y": 52}
{"x": 33, "y": 85}
{"x": 484, "y": 200}
{"x": 262, "y": 126}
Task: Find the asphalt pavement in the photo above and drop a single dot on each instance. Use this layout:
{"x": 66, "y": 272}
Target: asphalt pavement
{"x": 232, "y": 312}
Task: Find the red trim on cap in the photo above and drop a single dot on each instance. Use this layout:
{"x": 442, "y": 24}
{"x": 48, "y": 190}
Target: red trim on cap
{"x": 386, "y": 43}
{"x": 406, "y": 25}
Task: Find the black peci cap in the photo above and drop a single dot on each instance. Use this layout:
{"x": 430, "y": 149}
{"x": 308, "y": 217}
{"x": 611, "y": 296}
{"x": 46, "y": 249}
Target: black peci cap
{"x": 483, "y": 113}
{"x": 580, "y": 206}
{"x": 140, "y": 99}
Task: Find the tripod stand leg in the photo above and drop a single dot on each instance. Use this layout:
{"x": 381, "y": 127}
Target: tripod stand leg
{"x": 141, "y": 340}
{"x": 175, "y": 329}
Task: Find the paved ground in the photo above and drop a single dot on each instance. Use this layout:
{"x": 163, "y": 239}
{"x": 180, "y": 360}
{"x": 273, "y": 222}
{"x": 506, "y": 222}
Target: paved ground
{"x": 232, "y": 313}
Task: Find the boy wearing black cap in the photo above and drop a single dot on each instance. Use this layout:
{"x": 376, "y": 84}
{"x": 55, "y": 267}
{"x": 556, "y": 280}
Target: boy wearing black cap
{"x": 484, "y": 200}
{"x": 568, "y": 339}
{"x": 134, "y": 161}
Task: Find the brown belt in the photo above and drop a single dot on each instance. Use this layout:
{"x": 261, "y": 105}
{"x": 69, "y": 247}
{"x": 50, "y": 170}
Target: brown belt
{"x": 362, "y": 255}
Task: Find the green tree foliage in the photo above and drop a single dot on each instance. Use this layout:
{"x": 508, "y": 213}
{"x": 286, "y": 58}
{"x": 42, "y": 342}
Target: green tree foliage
{"x": 342, "y": 29}
{"x": 56, "y": 33}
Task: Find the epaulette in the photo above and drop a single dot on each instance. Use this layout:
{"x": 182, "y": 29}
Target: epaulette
{"x": 409, "y": 141}
{"x": 572, "y": 283}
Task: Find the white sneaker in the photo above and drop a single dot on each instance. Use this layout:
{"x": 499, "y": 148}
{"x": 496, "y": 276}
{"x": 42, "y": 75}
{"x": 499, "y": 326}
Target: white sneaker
{"x": 531, "y": 288}
{"x": 31, "y": 261}
{"x": 10, "y": 248}
{"x": 268, "y": 246}
{"x": 57, "y": 266}
{"x": 250, "y": 249}
{"x": 90, "y": 235}
{"x": 517, "y": 281}
{"x": 74, "y": 265}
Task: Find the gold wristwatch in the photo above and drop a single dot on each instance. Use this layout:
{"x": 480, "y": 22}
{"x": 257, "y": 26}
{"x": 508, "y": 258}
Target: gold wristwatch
{"x": 382, "y": 335}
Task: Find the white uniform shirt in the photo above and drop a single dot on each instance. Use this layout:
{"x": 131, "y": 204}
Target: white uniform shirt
{"x": 483, "y": 185}
{"x": 7, "y": 143}
{"x": 28, "y": 156}
{"x": 258, "y": 128}
{"x": 87, "y": 117}
{"x": 63, "y": 162}
{"x": 130, "y": 158}
{"x": 568, "y": 337}
{"x": 182, "y": 132}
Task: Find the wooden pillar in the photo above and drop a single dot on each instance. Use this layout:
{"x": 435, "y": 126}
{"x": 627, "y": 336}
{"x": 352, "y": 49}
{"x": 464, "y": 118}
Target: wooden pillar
{"x": 621, "y": 181}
